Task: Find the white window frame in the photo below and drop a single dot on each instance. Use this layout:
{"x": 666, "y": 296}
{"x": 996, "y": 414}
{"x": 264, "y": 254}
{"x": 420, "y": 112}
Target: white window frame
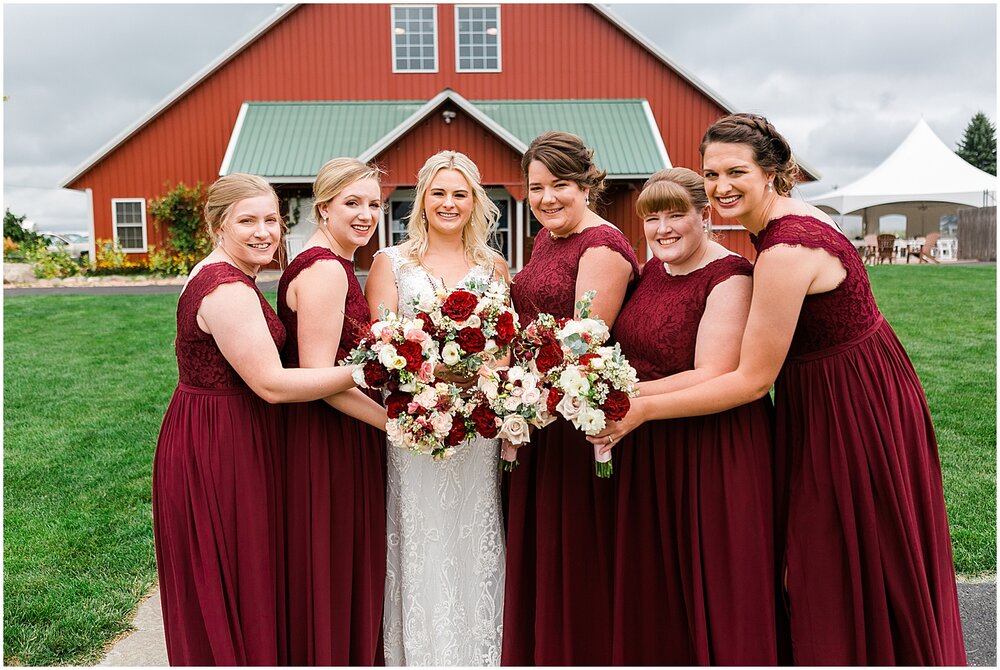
{"x": 400, "y": 195}
{"x": 458, "y": 45}
{"x": 115, "y": 224}
{"x": 392, "y": 34}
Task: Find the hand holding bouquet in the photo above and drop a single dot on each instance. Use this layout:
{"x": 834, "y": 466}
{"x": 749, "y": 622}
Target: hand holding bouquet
{"x": 511, "y": 401}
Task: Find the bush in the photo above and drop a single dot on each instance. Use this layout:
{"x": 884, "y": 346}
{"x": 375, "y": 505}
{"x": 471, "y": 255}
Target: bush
{"x": 13, "y": 229}
{"x": 180, "y": 212}
{"x": 52, "y": 264}
{"x": 111, "y": 260}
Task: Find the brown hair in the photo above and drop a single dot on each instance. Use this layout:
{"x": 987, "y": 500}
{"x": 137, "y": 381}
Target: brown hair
{"x": 336, "y": 175}
{"x": 771, "y": 151}
{"x": 566, "y": 157}
{"x": 674, "y": 190}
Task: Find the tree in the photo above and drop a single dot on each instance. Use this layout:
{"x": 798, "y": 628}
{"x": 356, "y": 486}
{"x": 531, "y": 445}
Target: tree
{"x": 16, "y": 232}
{"x": 979, "y": 144}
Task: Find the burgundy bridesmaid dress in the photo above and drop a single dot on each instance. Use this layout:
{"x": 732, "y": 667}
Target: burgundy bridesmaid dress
{"x": 560, "y": 526}
{"x": 867, "y": 549}
{"x": 694, "y": 552}
{"x": 335, "y": 507}
{"x": 217, "y": 516}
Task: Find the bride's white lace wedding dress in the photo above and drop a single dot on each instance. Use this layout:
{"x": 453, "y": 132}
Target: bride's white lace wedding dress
{"x": 445, "y": 547}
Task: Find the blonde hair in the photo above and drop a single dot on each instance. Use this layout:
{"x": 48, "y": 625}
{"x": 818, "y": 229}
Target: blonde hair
{"x": 672, "y": 190}
{"x": 336, "y": 175}
{"x": 226, "y": 191}
{"x": 481, "y": 224}
{"x": 223, "y": 195}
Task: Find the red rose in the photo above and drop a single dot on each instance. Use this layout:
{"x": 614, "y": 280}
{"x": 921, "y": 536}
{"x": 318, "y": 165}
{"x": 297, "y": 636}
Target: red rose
{"x": 413, "y": 354}
{"x": 586, "y": 358}
{"x": 485, "y": 420}
{"x": 555, "y": 395}
{"x": 471, "y": 340}
{"x": 396, "y": 402}
{"x": 505, "y": 329}
{"x": 375, "y": 375}
{"x": 459, "y": 305}
{"x": 616, "y": 406}
{"x": 457, "y": 433}
{"x": 548, "y": 357}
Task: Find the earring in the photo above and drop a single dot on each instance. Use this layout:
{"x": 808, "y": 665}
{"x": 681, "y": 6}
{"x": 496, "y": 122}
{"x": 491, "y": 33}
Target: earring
{"x": 704, "y": 227}
{"x": 770, "y": 187}
{"x": 587, "y": 202}
{"x": 423, "y": 217}
{"x": 218, "y": 240}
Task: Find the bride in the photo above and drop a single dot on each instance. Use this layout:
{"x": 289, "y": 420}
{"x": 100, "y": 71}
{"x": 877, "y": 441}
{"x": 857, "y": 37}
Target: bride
{"x": 445, "y": 546}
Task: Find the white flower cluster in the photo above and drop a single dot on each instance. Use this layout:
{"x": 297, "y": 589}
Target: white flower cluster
{"x": 428, "y": 420}
{"x": 518, "y": 399}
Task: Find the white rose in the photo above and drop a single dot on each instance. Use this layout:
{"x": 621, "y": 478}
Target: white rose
{"x": 427, "y": 303}
{"x": 491, "y": 346}
{"x": 387, "y": 355}
{"x": 515, "y": 429}
{"x": 515, "y": 373}
{"x": 512, "y": 403}
{"x": 569, "y": 406}
{"x": 530, "y": 395}
{"x": 488, "y": 386}
{"x": 451, "y": 353}
{"x": 473, "y": 321}
{"x": 589, "y": 420}
{"x": 359, "y": 377}
{"x": 398, "y": 363}
{"x": 572, "y": 382}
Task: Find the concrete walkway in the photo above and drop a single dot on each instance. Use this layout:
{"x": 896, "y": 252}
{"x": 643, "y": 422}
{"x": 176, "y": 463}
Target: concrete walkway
{"x": 977, "y": 600}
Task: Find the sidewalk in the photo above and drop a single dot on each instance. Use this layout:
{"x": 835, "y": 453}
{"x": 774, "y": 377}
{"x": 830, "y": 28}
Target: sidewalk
{"x": 977, "y": 600}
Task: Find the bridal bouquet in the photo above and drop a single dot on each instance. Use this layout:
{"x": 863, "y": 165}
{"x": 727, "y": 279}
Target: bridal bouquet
{"x": 434, "y": 421}
{"x": 394, "y": 353}
{"x": 589, "y": 383}
{"x": 510, "y": 400}
{"x": 471, "y": 324}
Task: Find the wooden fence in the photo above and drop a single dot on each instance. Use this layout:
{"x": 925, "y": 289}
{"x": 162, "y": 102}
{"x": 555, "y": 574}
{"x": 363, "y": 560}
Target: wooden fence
{"x": 977, "y": 234}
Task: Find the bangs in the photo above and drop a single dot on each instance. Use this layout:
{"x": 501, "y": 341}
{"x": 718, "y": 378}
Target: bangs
{"x": 663, "y": 196}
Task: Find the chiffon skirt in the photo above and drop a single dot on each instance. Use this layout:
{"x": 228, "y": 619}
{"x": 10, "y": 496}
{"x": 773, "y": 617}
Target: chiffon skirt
{"x": 868, "y": 553}
{"x": 560, "y": 543}
{"x": 217, "y": 521}
{"x": 694, "y": 553}
{"x": 335, "y": 525}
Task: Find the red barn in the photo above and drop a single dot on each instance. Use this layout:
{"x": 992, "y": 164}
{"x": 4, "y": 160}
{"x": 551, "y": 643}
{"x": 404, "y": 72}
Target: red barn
{"x": 397, "y": 83}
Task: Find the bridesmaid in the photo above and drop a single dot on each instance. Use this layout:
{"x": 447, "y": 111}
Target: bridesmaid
{"x": 560, "y": 535}
{"x": 866, "y": 564}
{"x": 217, "y": 493}
{"x": 694, "y": 554}
{"x": 335, "y": 457}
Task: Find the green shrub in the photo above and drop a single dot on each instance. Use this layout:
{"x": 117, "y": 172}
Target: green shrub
{"x": 111, "y": 260}
{"x": 52, "y": 264}
{"x": 187, "y": 240}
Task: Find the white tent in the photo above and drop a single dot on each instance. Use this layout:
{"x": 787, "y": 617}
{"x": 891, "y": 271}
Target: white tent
{"x": 922, "y": 179}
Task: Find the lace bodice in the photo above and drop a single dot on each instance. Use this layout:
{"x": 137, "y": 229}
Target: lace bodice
{"x": 445, "y": 556}
{"x": 413, "y": 282}
{"x": 658, "y": 325}
{"x": 356, "y": 315}
{"x": 200, "y": 363}
{"x": 837, "y": 316}
{"x": 548, "y": 282}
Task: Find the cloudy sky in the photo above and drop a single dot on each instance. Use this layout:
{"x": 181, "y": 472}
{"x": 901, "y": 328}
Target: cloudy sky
{"x": 845, "y": 83}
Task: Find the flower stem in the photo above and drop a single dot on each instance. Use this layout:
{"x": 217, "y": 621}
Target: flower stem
{"x": 603, "y": 470}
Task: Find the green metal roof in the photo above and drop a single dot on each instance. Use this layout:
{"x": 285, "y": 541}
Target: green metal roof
{"x": 292, "y": 140}
{"x": 619, "y": 131}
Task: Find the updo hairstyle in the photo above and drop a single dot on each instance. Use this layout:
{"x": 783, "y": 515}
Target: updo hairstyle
{"x": 336, "y": 175}
{"x": 229, "y": 190}
{"x": 566, "y": 157}
{"x": 771, "y": 151}
{"x": 672, "y": 190}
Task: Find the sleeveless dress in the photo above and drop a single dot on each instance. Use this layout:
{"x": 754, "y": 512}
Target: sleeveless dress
{"x": 694, "y": 552}
{"x": 560, "y": 525}
{"x": 870, "y": 574}
{"x": 444, "y": 582}
{"x": 217, "y": 496}
{"x": 335, "y": 506}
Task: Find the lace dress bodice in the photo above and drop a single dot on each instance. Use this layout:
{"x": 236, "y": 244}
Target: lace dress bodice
{"x": 356, "y": 315}
{"x": 444, "y": 586}
{"x": 548, "y": 282}
{"x": 835, "y": 317}
{"x": 658, "y": 325}
{"x": 200, "y": 363}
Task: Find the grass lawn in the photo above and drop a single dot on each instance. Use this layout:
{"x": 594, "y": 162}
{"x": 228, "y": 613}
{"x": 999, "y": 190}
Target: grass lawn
{"x": 87, "y": 380}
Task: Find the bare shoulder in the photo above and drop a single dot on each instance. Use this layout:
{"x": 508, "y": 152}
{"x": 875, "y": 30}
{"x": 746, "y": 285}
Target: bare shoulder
{"x": 500, "y": 269}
